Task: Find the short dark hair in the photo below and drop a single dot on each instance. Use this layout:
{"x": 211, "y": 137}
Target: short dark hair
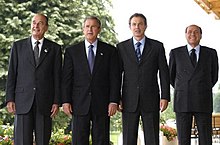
{"x": 138, "y": 15}
{"x": 200, "y": 29}
{"x": 94, "y": 18}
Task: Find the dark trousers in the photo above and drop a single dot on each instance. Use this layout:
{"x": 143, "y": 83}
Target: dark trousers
{"x": 98, "y": 125}
{"x": 150, "y": 125}
{"x": 32, "y": 123}
{"x": 184, "y": 125}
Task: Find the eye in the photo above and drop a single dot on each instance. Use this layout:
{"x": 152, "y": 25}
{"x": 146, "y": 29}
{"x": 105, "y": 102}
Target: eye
{"x": 86, "y": 26}
{"x": 33, "y": 22}
{"x": 141, "y": 24}
{"x": 41, "y": 23}
{"x": 133, "y": 24}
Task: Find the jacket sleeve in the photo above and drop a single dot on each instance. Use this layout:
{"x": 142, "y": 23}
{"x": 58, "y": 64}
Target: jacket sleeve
{"x": 164, "y": 74}
{"x": 57, "y": 75}
{"x": 67, "y": 76}
{"x": 12, "y": 73}
{"x": 215, "y": 68}
{"x": 172, "y": 68}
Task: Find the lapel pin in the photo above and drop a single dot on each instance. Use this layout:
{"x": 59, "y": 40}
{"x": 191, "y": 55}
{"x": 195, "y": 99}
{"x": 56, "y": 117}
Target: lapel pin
{"x": 45, "y": 50}
{"x": 101, "y": 53}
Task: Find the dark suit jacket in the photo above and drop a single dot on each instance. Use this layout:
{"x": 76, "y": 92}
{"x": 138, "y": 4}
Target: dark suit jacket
{"x": 83, "y": 89}
{"x": 140, "y": 81}
{"x": 27, "y": 81}
{"x": 193, "y": 86}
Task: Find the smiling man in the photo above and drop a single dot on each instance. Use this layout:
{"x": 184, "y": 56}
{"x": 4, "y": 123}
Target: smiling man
{"x": 33, "y": 85}
{"x": 141, "y": 58}
{"x": 90, "y": 85}
{"x": 193, "y": 74}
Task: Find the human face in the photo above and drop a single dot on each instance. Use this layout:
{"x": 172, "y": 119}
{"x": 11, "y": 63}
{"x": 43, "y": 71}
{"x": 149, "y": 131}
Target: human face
{"x": 193, "y": 35}
{"x": 91, "y": 29}
{"x": 137, "y": 27}
{"x": 39, "y": 26}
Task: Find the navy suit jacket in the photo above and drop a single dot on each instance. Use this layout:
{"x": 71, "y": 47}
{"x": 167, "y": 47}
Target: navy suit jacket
{"x": 193, "y": 86}
{"x": 27, "y": 82}
{"x": 140, "y": 80}
{"x": 87, "y": 91}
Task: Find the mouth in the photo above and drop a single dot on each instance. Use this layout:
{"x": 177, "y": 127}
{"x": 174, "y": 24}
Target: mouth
{"x": 137, "y": 31}
{"x": 36, "y": 30}
{"x": 192, "y": 38}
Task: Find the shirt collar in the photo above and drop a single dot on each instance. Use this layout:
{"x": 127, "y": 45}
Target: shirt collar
{"x": 142, "y": 41}
{"x": 34, "y": 40}
{"x": 189, "y": 47}
{"x": 87, "y": 44}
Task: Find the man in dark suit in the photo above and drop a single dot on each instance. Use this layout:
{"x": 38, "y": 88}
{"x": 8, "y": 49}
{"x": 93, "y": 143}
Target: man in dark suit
{"x": 90, "y": 85}
{"x": 193, "y": 73}
{"x": 141, "y": 59}
{"x": 33, "y": 87}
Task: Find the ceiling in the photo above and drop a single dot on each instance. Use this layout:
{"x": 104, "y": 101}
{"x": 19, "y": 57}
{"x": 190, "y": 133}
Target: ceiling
{"x": 210, "y": 6}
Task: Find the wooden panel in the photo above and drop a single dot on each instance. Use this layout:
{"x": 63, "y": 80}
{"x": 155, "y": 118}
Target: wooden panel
{"x": 213, "y": 1}
{"x": 216, "y": 123}
{"x": 215, "y": 126}
{"x": 210, "y": 6}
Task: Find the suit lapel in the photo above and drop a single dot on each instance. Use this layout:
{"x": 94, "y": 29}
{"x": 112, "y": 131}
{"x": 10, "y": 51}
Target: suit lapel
{"x": 201, "y": 57}
{"x": 81, "y": 56}
{"x": 84, "y": 59}
{"x": 99, "y": 56}
{"x": 185, "y": 54}
{"x": 188, "y": 61}
{"x": 131, "y": 50}
{"x": 44, "y": 50}
{"x": 146, "y": 50}
{"x": 30, "y": 52}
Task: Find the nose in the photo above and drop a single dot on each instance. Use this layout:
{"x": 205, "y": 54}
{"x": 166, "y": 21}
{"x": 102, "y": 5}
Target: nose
{"x": 90, "y": 28}
{"x": 37, "y": 24}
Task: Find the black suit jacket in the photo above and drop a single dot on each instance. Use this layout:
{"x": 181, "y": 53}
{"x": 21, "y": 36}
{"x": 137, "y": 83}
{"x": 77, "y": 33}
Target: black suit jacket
{"x": 27, "y": 81}
{"x": 85, "y": 90}
{"x": 140, "y": 81}
{"x": 193, "y": 86}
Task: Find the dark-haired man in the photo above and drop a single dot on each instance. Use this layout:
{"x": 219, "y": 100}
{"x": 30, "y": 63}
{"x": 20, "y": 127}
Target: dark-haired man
{"x": 193, "y": 73}
{"x": 141, "y": 58}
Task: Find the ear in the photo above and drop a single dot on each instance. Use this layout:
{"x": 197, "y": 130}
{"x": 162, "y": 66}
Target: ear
{"x": 46, "y": 29}
{"x": 99, "y": 30}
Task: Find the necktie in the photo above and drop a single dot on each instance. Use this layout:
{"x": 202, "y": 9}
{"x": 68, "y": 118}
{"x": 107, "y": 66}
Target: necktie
{"x": 138, "y": 51}
{"x": 36, "y": 52}
{"x": 193, "y": 57}
{"x": 91, "y": 57}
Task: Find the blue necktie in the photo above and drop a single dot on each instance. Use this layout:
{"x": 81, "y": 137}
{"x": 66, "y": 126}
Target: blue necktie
{"x": 193, "y": 57}
{"x": 91, "y": 58}
{"x": 138, "y": 51}
{"x": 36, "y": 52}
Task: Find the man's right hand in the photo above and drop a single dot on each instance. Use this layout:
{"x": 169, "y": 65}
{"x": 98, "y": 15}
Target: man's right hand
{"x": 67, "y": 108}
{"x": 120, "y": 106}
{"x": 11, "y": 107}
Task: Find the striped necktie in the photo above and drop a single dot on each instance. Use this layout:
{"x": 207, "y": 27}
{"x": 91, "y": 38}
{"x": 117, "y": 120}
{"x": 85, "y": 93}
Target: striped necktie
{"x": 138, "y": 51}
{"x": 36, "y": 52}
